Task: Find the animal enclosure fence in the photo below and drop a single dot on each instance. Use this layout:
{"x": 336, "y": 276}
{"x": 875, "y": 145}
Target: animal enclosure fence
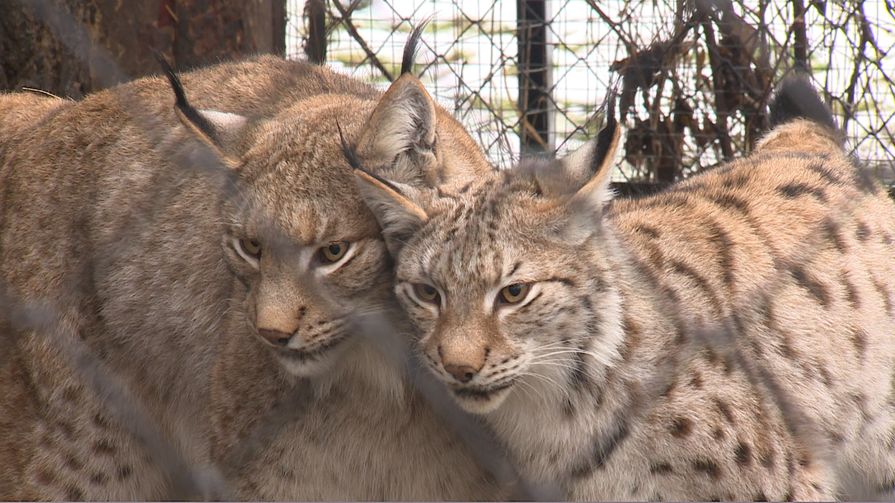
{"x": 694, "y": 76}
{"x": 693, "y": 86}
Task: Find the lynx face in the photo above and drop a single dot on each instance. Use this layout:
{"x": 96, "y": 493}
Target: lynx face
{"x": 310, "y": 274}
{"x": 514, "y": 311}
{"x": 296, "y": 234}
{"x": 497, "y": 280}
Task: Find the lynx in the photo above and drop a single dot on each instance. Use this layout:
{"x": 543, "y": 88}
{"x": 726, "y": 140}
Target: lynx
{"x": 731, "y": 338}
{"x": 173, "y": 242}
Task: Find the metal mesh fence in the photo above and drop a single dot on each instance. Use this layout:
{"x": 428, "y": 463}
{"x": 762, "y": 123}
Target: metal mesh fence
{"x": 470, "y": 69}
{"x": 695, "y": 77}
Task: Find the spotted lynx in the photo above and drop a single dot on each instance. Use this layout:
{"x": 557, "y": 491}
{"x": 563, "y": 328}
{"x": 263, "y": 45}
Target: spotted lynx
{"x": 731, "y": 338}
{"x": 181, "y": 268}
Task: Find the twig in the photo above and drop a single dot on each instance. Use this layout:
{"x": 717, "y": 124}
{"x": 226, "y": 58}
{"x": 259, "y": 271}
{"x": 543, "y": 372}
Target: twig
{"x": 346, "y": 21}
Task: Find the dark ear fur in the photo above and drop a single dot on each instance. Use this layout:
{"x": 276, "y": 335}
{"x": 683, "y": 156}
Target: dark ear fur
{"x": 410, "y": 48}
{"x": 796, "y": 98}
{"x": 607, "y": 139}
{"x": 221, "y": 131}
{"x": 400, "y": 132}
{"x": 393, "y": 204}
{"x": 588, "y": 167}
{"x": 591, "y": 166}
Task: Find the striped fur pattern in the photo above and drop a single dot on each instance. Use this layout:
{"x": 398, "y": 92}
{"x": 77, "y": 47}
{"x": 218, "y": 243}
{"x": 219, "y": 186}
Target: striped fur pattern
{"x": 732, "y": 338}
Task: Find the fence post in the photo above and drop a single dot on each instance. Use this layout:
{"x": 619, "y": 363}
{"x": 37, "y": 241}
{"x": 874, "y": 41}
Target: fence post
{"x": 315, "y": 19}
{"x": 535, "y": 78}
{"x": 278, "y": 13}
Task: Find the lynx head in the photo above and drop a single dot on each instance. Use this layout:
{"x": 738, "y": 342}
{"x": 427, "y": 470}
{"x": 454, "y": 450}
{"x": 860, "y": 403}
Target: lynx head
{"x": 508, "y": 281}
{"x": 295, "y": 233}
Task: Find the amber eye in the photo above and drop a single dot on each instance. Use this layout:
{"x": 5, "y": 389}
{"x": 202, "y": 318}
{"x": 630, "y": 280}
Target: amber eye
{"x": 426, "y": 293}
{"x": 334, "y": 251}
{"x": 250, "y": 247}
{"x": 514, "y": 294}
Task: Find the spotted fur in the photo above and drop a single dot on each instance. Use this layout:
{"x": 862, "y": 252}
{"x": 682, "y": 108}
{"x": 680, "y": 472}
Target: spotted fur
{"x": 728, "y": 339}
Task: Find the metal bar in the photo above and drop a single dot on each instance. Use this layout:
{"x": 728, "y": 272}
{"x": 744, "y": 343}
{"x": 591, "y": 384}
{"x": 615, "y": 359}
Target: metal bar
{"x": 315, "y": 19}
{"x": 535, "y": 79}
{"x": 278, "y": 23}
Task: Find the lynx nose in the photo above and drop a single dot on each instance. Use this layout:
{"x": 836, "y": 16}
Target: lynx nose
{"x": 462, "y": 373}
{"x": 275, "y": 337}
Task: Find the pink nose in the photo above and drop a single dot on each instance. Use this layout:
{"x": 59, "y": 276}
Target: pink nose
{"x": 275, "y": 337}
{"x": 462, "y": 373}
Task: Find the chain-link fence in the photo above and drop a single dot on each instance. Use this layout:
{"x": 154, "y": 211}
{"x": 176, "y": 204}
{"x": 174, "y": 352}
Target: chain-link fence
{"x": 695, "y": 77}
{"x": 693, "y": 92}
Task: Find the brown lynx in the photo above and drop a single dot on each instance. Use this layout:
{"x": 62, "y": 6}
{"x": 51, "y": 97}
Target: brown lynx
{"x": 729, "y": 339}
{"x": 172, "y": 267}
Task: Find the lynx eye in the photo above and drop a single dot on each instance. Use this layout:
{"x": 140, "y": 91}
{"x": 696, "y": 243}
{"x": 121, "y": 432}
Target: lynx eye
{"x": 426, "y": 293}
{"x": 514, "y": 294}
{"x": 334, "y": 251}
{"x": 250, "y": 247}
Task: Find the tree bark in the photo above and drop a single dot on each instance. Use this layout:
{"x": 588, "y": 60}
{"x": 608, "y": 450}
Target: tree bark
{"x": 800, "y": 34}
{"x": 73, "y": 47}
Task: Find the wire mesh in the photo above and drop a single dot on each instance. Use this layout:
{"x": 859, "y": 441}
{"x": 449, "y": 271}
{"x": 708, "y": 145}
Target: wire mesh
{"x": 585, "y": 49}
{"x": 696, "y": 78}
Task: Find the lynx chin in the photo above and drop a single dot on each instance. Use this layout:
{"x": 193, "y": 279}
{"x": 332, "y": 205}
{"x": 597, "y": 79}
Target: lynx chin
{"x": 732, "y": 338}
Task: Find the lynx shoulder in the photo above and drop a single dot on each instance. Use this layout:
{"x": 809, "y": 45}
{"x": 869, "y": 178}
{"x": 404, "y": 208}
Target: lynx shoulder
{"x": 728, "y": 339}
{"x": 156, "y": 235}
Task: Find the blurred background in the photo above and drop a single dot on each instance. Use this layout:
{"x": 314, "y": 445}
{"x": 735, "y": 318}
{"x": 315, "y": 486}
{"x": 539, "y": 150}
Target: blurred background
{"x": 525, "y": 76}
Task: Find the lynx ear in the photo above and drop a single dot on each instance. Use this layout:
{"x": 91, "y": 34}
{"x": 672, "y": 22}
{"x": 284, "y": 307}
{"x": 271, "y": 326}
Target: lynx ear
{"x": 393, "y": 204}
{"x": 222, "y": 131}
{"x": 401, "y": 130}
{"x": 398, "y": 214}
{"x": 590, "y": 168}
{"x": 593, "y": 163}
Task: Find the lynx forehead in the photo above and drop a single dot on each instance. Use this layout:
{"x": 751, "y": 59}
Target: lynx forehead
{"x": 715, "y": 341}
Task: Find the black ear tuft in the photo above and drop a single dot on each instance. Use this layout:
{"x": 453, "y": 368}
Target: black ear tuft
{"x": 410, "y": 48}
{"x": 348, "y": 150}
{"x": 172, "y": 78}
{"x": 795, "y": 99}
{"x": 606, "y": 136}
{"x": 354, "y": 162}
{"x": 181, "y": 102}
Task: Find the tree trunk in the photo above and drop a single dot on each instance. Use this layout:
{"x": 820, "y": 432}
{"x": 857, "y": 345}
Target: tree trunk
{"x": 74, "y": 47}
